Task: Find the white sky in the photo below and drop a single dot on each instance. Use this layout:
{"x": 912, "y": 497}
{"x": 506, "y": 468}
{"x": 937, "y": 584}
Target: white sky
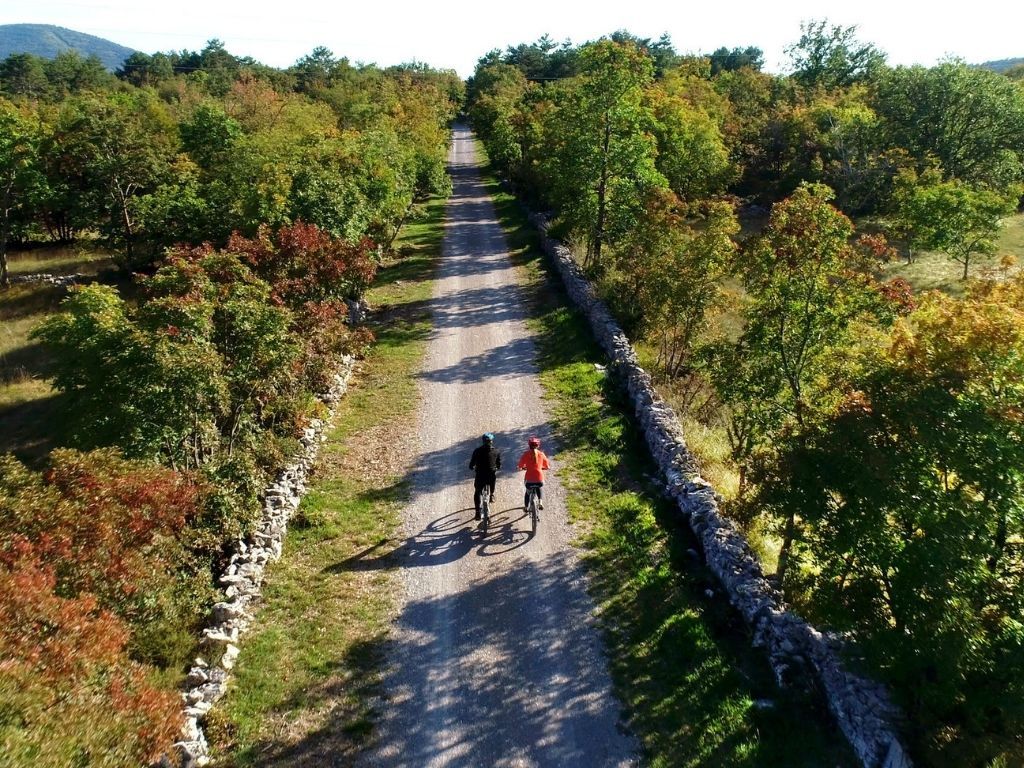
{"x": 456, "y": 35}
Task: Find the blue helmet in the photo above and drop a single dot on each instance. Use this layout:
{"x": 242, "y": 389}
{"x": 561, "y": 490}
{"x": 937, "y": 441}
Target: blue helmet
{"x": 488, "y": 437}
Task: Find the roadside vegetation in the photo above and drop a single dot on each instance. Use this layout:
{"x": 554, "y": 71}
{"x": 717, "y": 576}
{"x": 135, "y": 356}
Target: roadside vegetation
{"x": 237, "y": 213}
{"x": 769, "y": 242}
{"x": 692, "y": 691}
{"x": 307, "y": 675}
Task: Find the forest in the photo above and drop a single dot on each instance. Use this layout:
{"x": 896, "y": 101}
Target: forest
{"x": 232, "y": 214}
{"x": 821, "y": 271}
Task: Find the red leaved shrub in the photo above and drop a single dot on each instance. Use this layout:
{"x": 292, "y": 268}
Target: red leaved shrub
{"x": 303, "y": 263}
{"x": 95, "y": 518}
{"x": 70, "y": 693}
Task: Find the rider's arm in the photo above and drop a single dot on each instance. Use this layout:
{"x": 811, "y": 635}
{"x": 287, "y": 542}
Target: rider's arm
{"x": 472, "y": 461}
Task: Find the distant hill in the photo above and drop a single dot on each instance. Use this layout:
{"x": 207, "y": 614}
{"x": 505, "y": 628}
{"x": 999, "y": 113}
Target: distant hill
{"x": 1001, "y": 65}
{"x": 46, "y": 41}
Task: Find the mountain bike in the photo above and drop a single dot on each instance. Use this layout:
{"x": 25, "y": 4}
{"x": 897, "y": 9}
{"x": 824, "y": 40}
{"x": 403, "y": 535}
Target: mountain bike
{"x": 532, "y": 504}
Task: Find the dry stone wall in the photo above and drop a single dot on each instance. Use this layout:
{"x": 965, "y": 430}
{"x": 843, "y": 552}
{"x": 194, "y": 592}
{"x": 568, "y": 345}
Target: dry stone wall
{"x": 795, "y": 649}
{"x": 45, "y": 277}
{"x": 207, "y": 680}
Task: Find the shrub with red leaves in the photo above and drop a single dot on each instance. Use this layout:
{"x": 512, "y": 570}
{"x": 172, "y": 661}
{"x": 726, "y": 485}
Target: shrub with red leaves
{"x": 119, "y": 532}
{"x": 304, "y": 263}
{"x": 70, "y": 693}
{"x": 900, "y": 294}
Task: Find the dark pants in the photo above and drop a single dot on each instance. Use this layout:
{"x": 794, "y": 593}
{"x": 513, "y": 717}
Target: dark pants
{"x": 478, "y": 485}
{"x": 540, "y": 492}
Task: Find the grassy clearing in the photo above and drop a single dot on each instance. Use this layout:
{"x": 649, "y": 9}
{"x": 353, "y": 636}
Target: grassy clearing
{"x": 29, "y": 407}
{"x": 305, "y": 676}
{"x": 694, "y": 692}
{"x": 60, "y": 260}
{"x": 29, "y": 412}
{"x": 931, "y": 271}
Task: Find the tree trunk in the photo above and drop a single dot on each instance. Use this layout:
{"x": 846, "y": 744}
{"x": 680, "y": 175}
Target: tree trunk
{"x": 128, "y": 232}
{"x": 5, "y": 218}
{"x": 602, "y": 191}
{"x": 399, "y": 225}
{"x": 5, "y": 279}
{"x": 788, "y": 535}
{"x": 1002, "y": 533}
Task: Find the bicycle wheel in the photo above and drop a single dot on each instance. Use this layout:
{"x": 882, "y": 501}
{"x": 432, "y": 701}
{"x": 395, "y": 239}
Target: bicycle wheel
{"x": 485, "y": 505}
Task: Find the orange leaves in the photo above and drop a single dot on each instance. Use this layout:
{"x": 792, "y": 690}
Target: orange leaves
{"x": 304, "y": 263}
{"x": 93, "y": 520}
{"x": 979, "y": 337}
{"x": 77, "y": 548}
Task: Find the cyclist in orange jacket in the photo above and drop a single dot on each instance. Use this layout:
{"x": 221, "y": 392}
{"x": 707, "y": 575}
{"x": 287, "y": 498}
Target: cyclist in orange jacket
{"x": 534, "y": 462}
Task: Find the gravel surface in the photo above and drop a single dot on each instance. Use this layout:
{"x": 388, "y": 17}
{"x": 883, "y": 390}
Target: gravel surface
{"x": 495, "y": 659}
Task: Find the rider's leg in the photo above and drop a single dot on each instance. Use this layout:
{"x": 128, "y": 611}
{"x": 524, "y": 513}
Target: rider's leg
{"x": 493, "y": 479}
{"x": 540, "y": 495}
{"x": 477, "y": 487}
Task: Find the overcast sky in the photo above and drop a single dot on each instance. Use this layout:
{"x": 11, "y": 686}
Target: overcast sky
{"x": 455, "y": 35}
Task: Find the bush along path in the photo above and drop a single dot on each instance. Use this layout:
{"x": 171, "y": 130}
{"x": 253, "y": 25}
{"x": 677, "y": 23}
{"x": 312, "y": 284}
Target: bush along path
{"x": 305, "y": 674}
{"x": 692, "y": 690}
{"x": 207, "y": 680}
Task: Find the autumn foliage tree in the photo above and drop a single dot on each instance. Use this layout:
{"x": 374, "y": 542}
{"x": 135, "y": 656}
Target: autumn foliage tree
{"x": 911, "y": 494}
{"x": 99, "y": 578}
{"x": 808, "y": 286}
{"x": 672, "y": 266}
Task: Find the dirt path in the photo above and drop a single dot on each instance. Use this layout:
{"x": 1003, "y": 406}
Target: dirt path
{"x": 495, "y": 659}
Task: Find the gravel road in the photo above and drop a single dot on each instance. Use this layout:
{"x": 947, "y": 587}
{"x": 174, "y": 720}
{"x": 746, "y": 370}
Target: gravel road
{"x": 495, "y": 658}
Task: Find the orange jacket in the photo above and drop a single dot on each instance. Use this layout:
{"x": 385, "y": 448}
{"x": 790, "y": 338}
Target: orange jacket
{"x": 534, "y": 462}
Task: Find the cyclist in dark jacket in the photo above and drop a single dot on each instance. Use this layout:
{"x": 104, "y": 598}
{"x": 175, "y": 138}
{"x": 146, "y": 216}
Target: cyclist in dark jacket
{"x": 486, "y": 462}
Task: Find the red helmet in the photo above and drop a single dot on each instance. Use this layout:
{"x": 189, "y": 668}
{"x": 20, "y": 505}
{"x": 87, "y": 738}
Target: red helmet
{"x": 533, "y": 442}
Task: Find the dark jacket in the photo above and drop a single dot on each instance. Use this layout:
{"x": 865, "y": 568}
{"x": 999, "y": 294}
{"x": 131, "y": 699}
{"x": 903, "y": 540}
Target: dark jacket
{"x": 486, "y": 460}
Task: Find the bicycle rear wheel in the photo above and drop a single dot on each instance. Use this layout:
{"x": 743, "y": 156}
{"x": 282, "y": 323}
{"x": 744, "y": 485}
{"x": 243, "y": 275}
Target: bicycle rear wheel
{"x": 485, "y": 505}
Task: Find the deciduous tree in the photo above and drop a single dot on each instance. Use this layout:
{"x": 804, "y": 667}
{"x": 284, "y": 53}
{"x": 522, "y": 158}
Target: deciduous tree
{"x": 603, "y": 154}
{"x": 954, "y": 217}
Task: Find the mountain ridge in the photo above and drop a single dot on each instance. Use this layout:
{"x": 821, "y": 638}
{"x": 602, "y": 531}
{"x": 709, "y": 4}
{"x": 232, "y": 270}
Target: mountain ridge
{"x": 47, "y": 40}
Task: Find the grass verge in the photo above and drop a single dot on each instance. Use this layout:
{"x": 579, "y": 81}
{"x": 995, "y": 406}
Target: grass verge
{"x": 694, "y": 692}
{"x": 306, "y": 673}
{"x": 84, "y": 258}
{"x": 29, "y": 412}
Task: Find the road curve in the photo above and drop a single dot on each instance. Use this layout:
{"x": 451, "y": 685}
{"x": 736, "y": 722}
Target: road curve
{"x": 494, "y": 659}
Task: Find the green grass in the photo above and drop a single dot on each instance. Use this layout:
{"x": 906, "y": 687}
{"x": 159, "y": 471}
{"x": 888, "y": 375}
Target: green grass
{"x": 306, "y": 676}
{"x": 30, "y": 422}
{"x": 59, "y": 260}
{"x": 693, "y": 690}
{"x": 29, "y": 406}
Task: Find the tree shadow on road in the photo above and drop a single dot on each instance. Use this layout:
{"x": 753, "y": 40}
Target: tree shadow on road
{"x": 463, "y": 689}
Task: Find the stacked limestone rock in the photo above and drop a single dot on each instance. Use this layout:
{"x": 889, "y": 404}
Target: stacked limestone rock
{"x": 861, "y": 707}
{"x": 59, "y": 280}
{"x": 208, "y": 679}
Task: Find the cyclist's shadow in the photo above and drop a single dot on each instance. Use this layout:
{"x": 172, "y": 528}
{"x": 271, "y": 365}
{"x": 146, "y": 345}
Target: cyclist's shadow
{"x": 444, "y": 540}
{"x": 509, "y": 529}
